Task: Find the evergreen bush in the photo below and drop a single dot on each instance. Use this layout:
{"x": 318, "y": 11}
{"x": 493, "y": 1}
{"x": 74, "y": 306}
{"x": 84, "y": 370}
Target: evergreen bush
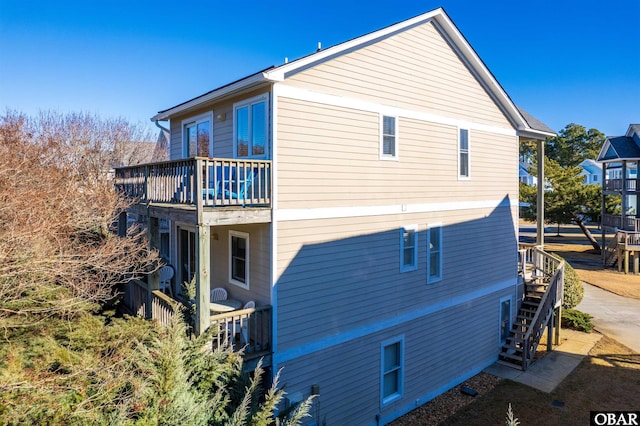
{"x": 573, "y": 288}
{"x": 577, "y": 320}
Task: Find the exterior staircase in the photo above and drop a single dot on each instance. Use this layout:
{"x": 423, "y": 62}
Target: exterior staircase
{"x": 543, "y": 294}
{"x": 611, "y": 257}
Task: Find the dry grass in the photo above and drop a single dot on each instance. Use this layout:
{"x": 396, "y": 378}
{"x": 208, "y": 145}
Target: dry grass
{"x": 608, "y": 379}
{"x": 573, "y": 246}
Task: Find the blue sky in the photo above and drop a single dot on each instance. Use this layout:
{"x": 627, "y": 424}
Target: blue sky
{"x": 563, "y": 60}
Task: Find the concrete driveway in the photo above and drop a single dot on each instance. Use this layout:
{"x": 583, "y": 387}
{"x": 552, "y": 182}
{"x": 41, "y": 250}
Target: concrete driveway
{"x": 616, "y": 316}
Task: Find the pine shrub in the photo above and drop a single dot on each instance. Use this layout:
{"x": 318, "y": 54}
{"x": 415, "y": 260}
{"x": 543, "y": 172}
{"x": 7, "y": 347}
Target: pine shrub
{"x": 577, "y": 320}
{"x": 573, "y": 288}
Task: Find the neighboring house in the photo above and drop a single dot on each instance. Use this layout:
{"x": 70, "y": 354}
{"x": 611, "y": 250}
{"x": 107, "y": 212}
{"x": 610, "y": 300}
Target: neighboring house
{"x": 365, "y": 197}
{"x": 524, "y": 175}
{"x": 620, "y": 157}
{"x": 591, "y": 171}
{"x": 161, "y": 149}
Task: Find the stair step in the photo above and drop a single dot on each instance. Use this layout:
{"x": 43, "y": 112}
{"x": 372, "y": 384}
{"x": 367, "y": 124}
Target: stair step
{"x": 528, "y": 311}
{"x": 509, "y": 364}
{"x": 514, "y": 357}
{"x": 526, "y": 317}
{"x": 511, "y": 347}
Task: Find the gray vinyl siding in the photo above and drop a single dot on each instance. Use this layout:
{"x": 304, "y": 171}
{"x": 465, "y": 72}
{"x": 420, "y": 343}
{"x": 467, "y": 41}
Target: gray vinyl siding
{"x": 437, "y": 356}
{"x": 345, "y": 273}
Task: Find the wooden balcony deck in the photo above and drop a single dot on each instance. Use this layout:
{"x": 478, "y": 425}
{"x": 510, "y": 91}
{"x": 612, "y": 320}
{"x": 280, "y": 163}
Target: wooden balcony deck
{"x": 248, "y": 330}
{"x": 199, "y": 182}
{"x": 628, "y": 223}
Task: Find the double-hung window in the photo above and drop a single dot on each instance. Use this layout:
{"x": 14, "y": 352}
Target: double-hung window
{"x": 463, "y": 154}
{"x": 388, "y": 137}
{"x": 196, "y": 138}
{"x": 251, "y": 131}
{"x": 408, "y": 248}
{"x": 239, "y": 259}
{"x": 391, "y": 370}
{"x": 434, "y": 253}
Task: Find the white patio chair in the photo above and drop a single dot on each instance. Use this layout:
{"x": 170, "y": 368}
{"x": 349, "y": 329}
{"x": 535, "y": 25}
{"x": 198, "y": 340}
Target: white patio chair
{"x": 218, "y": 293}
{"x": 164, "y": 275}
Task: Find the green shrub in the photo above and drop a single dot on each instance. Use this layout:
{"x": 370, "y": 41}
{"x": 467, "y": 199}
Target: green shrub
{"x": 577, "y": 320}
{"x": 573, "y": 289}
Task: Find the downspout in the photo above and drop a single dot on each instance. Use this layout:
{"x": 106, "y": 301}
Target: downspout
{"x": 161, "y": 127}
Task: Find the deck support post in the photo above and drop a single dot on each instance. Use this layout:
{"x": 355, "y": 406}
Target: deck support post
{"x": 540, "y": 188}
{"x": 550, "y": 332}
{"x": 153, "y": 280}
{"x": 603, "y": 211}
{"x": 203, "y": 266}
{"x": 558, "y": 317}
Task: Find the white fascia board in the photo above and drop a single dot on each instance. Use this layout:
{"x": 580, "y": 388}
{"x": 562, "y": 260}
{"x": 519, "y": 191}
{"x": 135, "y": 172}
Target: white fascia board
{"x": 534, "y": 134}
{"x": 468, "y": 55}
{"x": 457, "y": 41}
{"x": 604, "y": 149}
{"x": 223, "y": 91}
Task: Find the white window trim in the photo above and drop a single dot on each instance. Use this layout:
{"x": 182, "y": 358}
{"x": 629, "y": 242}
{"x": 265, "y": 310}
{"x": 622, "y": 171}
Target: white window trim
{"x": 384, "y": 156}
{"x": 414, "y": 266}
{"x": 430, "y": 279}
{"x": 468, "y": 176}
{"x": 394, "y": 397}
{"x": 501, "y": 341}
{"x": 248, "y": 102}
{"x": 197, "y": 119}
{"x": 233, "y": 281}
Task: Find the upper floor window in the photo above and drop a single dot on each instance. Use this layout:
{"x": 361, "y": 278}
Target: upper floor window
{"x": 434, "y": 254}
{"x": 391, "y": 370}
{"x": 251, "y": 127}
{"x": 463, "y": 153}
{"x": 388, "y": 137}
{"x": 239, "y": 258}
{"x": 196, "y": 137}
{"x": 408, "y": 248}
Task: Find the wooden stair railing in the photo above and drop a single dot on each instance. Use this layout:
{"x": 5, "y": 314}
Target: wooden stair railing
{"x": 611, "y": 250}
{"x": 543, "y": 293}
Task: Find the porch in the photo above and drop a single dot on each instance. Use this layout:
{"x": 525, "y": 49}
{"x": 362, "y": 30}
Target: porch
{"x": 243, "y": 329}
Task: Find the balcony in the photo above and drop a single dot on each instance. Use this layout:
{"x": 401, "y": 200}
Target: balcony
{"x": 199, "y": 182}
{"x": 626, "y": 223}
{"x": 618, "y": 185}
